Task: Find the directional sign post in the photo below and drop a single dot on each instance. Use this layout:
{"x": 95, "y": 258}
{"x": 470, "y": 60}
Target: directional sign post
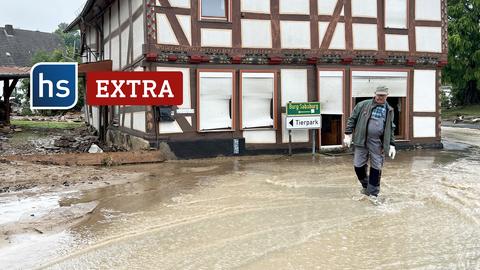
{"x": 304, "y": 115}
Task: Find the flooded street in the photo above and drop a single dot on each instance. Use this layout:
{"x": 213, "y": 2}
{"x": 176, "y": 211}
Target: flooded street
{"x": 265, "y": 212}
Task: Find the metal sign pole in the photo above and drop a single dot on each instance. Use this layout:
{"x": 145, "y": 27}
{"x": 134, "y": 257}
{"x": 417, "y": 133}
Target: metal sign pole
{"x": 313, "y": 142}
{"x": 289, "y": 142}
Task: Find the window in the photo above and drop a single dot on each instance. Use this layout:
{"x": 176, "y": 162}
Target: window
{"x": 331, "y": 89}
{"x": 215, "y": 100}
{"x": 214, "y": 9}
{"x": 396, "y": 14}
{"x": 258, "y": 100}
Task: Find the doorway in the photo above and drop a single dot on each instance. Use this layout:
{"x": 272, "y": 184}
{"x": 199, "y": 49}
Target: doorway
{"x": 331, "y": 130}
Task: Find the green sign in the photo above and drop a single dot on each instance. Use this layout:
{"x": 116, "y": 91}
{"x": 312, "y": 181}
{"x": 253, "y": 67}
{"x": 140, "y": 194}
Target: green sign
{"x": 304, "y": 108}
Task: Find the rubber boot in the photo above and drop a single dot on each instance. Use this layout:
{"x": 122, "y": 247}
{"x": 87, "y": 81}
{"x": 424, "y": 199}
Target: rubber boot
{"x": 362, "y": 175}
{"x": 373, "y": 187}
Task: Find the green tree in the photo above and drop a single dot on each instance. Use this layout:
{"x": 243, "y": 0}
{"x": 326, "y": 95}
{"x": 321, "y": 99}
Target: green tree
{"x": 463, "y": 69}
{"x": 67, "y": 53}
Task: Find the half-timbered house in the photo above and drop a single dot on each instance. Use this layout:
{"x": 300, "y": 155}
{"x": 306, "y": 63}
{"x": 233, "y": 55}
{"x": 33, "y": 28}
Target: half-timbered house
{"x": 243, "y": 60}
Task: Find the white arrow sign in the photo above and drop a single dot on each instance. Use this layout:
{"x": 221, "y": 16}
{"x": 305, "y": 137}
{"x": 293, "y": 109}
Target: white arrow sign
{"x": 304, "y": 122}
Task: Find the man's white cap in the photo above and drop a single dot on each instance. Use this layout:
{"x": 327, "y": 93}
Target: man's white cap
{"x": 381, "y": 90}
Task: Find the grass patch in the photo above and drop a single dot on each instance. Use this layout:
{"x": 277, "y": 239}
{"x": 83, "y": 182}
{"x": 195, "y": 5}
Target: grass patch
{"x": 45, "y": 124}
{"x": 471, "y": 110}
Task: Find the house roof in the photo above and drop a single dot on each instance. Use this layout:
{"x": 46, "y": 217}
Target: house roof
{"x": 17, "y": 46}
{"x": 14, "y": 72}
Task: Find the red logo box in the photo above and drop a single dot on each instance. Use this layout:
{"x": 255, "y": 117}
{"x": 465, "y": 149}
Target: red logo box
{"x": 134, "y": 88}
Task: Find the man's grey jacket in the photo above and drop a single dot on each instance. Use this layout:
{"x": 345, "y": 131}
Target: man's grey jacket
{"x": 358, "y": 123}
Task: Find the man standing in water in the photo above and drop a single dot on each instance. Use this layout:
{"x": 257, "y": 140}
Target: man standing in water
{"x": 371, "y": 124}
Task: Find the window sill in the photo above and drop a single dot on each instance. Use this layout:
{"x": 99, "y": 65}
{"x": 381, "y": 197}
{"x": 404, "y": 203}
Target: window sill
{"x": 215, "y": 130}
{"x": 219, "y": 21}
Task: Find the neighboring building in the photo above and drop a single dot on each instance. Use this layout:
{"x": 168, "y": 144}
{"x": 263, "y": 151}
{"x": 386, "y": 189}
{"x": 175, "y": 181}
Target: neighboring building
{"x": 243, "y": 60}
{"x": 17, "y": 47}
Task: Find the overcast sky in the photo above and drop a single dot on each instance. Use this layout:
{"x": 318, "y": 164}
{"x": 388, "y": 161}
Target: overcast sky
{"x": 42, "y": 15}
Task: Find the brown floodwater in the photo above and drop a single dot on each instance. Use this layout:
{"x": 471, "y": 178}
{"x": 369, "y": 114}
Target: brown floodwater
{"x": 275, "y": 212}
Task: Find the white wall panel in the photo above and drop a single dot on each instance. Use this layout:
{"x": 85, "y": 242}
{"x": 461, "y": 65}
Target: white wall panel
{"x": 165, "y": 34}
{"x": 139, "y": 121}
{"x": 95, "y": 117}
{"x": 256, "y": 34}
{"x": 136, "y": 4}
{"x": 331, "y": 92}
{"x": 106, "y": 50}
{"x": 295, "y": 34}
{"x": 216, "y": 37}
{"x": 260, "y": 136}
{"x": 429, "y": 10}
{"x": 326, "y": 7}
{"x": 124, "y": 11}
{"x": 169, "y": 128}
{"x": 128, "y": 120}
{"x": 298, "y": 136}
{"x": 180, "y": 3}
{"x": 124, "y": 37}
{"x": 106, "y": 25}
{"x": 187, "y": 104}
{"x": 364, "y": 83}
{"x": 295, "y": 7}
{"x": 396, "y": 14}
{"x": 424, "y": 91}
{"x": 428, "y": 39}
{"x": 138, "y": 37}
{"x": 114, "y": 16}
{"x": 186, "y": 24}
{"x": 424, "y": 127}
{"x": 364, "y": 8}
{"x": 322, "y": 29}
{"x": 338, "y": 38}
{"x": 115, "y": 53}
{"x": 257, "y": 6}
{"x": 365, "y": 36}
{"x": 396, "y": 42}
{"x": 294, "y": 85}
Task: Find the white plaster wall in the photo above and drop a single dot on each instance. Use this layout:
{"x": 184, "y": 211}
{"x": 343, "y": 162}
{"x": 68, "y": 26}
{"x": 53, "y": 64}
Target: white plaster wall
{"x": 124, "y": 11}
{"x": 136, "y": 4}
{"x": 429, "y": 10}
{"x": 186, "y": 24}
{"x": 169, "y": 128}
{"x": 256, "y": 34}
{"x": 326, "y": 7}
{"x": 260, "y": 136}
{"x": 106, "y": 50}
{"x": 139, "y": 121}
{"x": 180, "y": 3}
{"x": 256, "y": 6}
{"x": 294, "y": 34}
{"x": 114, "y": 16}
{"x": 165, "y": 34}
{"x": 365, "y": 36}
{"x": 424, "y": 91}
{"x": 187, "y": 104}
{"x": 364, "y": 8}
{"x": 124, "y": 38}
{"x": 216, "y": 37}
{"x": 396, "y": 42}
{"x": 295, "y": 7}
{"x": 322, "y": 29}
{"x": 138, "y": 37}
{"x": 106, "y": 26}
{"x": 294, "y": 85}
{"x": 338, "y": 38}
{"x": 115, "y": 53}
{"x": 95, "y": 117}
{"x": 396, "y": 14}
{"x": 128, "y": 120}
{"x": 424, "y": 127}
{"x": 428, "y": 39}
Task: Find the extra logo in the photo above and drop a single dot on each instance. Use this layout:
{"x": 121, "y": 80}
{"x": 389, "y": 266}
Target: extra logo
{"x": 53, "y": 86}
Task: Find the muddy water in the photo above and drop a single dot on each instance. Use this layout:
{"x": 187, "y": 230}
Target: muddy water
{"x": 277, "y": 213}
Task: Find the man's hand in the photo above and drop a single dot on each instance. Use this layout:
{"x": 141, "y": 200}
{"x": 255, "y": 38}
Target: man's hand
{"x": 392, "y": 152}
{"x": 347, "y": 140}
